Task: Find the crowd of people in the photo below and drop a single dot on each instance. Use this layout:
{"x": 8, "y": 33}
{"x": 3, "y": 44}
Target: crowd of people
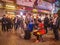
{"x": 34, "y": 25}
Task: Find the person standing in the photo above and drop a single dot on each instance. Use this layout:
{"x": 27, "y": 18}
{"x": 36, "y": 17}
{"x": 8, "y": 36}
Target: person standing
{"x": 40, "y": 31}
{"x": 4, "y": 22}
{"x": 46, "y": 23}
{"x": 56, "y": 21}
{"x": 8, "y": 24}
{"x": 51, "y": 23}
{"x": 16, "y": 23}
{"x": 29, "y": 30}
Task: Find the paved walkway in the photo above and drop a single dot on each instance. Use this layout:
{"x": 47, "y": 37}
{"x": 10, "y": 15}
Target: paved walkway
{"x": 10, "y": 38}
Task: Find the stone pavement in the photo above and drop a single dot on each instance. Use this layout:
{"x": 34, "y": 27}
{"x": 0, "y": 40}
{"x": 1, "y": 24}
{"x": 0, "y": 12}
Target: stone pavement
{"x": 10, "y": 38}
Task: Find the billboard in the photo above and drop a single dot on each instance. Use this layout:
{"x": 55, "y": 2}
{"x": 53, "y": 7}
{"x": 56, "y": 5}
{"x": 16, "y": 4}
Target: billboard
{"x": 44, "y": 5}
{"x": 29, "y": 3}
{"x": 40, "y": 4}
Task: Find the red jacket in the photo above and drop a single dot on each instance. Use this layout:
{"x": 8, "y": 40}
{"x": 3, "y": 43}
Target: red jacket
{"x": 41, "y": 25}
{"x": 42, "y": 30}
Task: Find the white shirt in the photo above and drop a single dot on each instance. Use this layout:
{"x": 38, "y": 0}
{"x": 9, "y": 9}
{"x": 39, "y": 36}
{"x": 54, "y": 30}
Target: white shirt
{"x": 54, "y": 20}
{"x": 16, "y": 21}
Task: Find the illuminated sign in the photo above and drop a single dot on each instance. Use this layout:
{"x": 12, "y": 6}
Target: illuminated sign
{"x": 11, "y": 1}
{"x": 29, "y": 3}
{"x": 41, "y": 4}
{"x": 44, "y": 5}
{"x": 10, "y": 6}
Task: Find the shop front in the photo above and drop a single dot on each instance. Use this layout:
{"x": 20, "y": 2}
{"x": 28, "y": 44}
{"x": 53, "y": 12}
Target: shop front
{"x": 2, "y": 11}
{"x": 10, "y": 10}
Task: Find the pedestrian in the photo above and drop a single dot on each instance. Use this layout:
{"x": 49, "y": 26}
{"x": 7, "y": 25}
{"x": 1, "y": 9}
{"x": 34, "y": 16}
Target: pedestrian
{"x": 40, "y": 31}
{"x": 51, "y": 23}
{"x": 9, "y": 23}
{"x": 4, "y": 22}
{"x": 46, "y": 23}
{"x": 21, "y": 20}
{"x": 29, "y": 30}
{"x": 31, "y": 25}
{"x": 56, "y": 21}
{"x": 16, "y": 23}
{"x": 35, "y": 23}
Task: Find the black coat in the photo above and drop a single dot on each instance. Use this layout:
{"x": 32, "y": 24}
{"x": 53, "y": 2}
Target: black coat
{"x": 4, "y": 20}
{"x": 46, "y": 21}
{"x": 57, "y": 23}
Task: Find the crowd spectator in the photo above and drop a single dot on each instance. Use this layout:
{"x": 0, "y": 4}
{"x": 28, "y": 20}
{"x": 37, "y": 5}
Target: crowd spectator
{"x": 56, "y": 21}
{"x": 46, "y": 23}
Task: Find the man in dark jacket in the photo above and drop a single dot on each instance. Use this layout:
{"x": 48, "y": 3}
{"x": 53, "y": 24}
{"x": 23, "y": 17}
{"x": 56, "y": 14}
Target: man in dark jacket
{"x": 46, "y": 23}
{"x": 56, "y": 22}
{"x": 9, "y": 24}
{"x": 4, "y": 22}
{"x": 16, "y": 22}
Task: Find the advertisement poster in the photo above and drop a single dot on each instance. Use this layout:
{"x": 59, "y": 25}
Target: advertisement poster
{"x": 44, "y": 5}
{"x": 29, "y": 3}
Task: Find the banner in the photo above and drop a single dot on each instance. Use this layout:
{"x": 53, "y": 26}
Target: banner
{"x": 38, "y": 3}
{"x": 44, "y": 5}
{"x": 29, "y": 3}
